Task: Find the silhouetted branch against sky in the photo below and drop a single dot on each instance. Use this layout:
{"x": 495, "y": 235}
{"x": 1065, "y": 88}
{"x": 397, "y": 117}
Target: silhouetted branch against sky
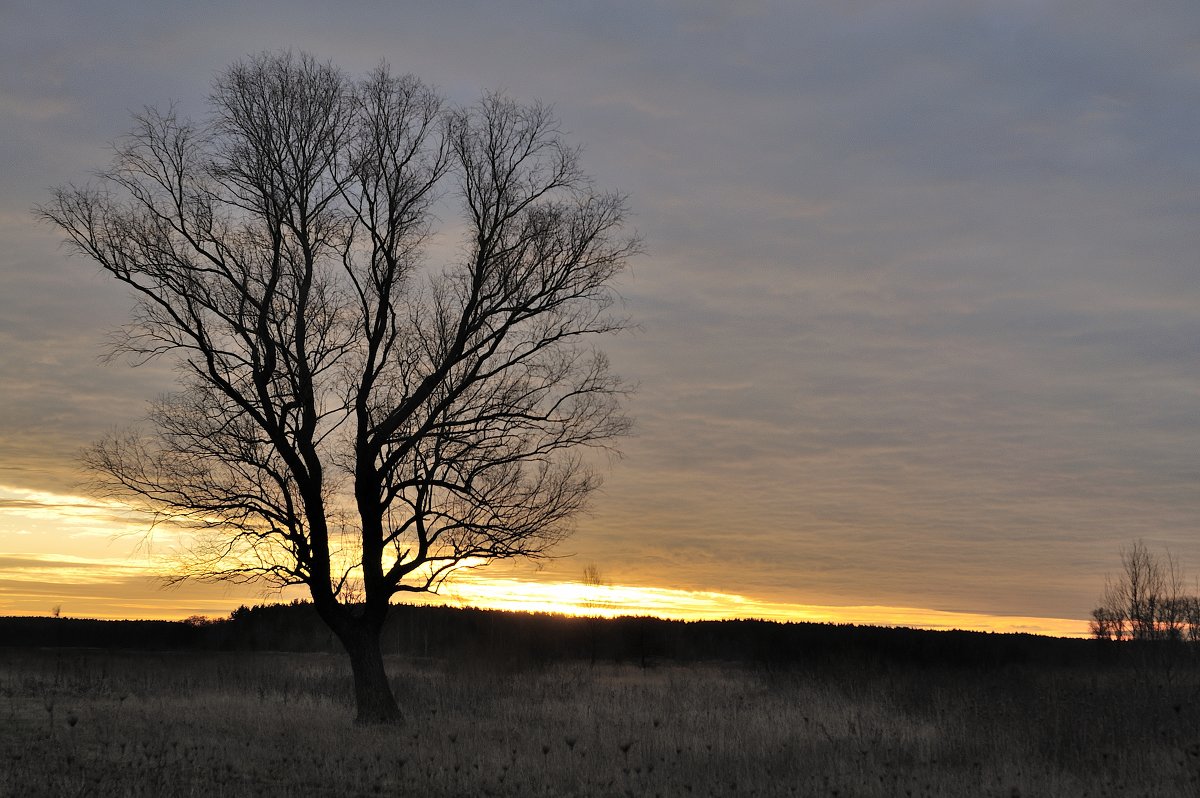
{"x": 346, "y": 408}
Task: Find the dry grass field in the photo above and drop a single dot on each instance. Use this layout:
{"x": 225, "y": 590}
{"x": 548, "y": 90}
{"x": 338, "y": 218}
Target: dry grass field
{"x": 92, "y": 723}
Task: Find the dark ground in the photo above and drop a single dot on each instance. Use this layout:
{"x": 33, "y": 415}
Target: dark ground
{"x": 526, "y": 705}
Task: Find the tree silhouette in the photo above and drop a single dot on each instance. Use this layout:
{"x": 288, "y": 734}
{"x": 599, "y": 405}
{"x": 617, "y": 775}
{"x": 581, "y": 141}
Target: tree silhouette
{"x": 1145, "y": 601}
{"x": 348, "y": 418}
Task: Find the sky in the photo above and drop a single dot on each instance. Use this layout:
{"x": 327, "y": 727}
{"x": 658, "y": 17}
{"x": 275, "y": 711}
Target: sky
{"x": 918, "y": 318}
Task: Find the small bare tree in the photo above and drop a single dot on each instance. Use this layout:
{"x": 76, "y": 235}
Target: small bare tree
{"x": 348, "y": 419}
{"x": 1173, "y": 613}
{"x": 1191, "y": 618}
{"x": 594, "y": 580}
{"x": 1107, "y": 624}
{"x": 1146, "y": 601}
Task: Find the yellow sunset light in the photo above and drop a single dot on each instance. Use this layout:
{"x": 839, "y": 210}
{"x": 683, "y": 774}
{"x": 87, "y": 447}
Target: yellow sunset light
{"x": 102, "y": 567}
{"x": 577, "y": 598}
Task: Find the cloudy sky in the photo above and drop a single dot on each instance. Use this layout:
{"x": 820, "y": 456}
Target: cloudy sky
{"x": 919, "y": 311}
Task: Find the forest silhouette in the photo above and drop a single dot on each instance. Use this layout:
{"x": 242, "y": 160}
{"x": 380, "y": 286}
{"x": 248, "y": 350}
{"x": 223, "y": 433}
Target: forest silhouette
{"x": 520, "y": 638}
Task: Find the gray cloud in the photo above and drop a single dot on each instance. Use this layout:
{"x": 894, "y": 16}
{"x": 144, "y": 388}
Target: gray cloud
{"x": 919, "y": 315}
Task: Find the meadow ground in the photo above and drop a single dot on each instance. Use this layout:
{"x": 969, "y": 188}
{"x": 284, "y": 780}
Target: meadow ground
{"x": 93, "y": 723}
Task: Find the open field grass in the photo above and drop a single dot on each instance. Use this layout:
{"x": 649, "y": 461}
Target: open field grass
{"x": 93, "y": 723}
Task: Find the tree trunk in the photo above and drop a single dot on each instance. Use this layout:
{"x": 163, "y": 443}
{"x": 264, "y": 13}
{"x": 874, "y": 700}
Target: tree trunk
{"x": 372, "y": 691}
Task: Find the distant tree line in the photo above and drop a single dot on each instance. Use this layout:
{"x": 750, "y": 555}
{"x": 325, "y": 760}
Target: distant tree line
{"x": 1147, "y": 600}
{"x": 471, "y": 637}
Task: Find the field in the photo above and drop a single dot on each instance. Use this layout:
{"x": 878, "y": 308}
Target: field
{"x": 83, "y": 722}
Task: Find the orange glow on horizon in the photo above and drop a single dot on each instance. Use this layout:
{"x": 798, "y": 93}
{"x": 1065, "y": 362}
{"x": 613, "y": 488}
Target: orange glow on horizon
{"x": 90, "y": 571}
{"x": 576, "y": 598}
{"x": 154, "y": 603}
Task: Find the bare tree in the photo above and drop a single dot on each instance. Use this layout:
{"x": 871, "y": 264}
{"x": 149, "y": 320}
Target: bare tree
{"x": 1173, "y": 606}
{"x": 350, "y": 419}
{"x": 1191, "y": 618}
{"x": 1107, "y": 624}
{"x": 594, "y": 580}
{"x": 1146, "y": 601}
